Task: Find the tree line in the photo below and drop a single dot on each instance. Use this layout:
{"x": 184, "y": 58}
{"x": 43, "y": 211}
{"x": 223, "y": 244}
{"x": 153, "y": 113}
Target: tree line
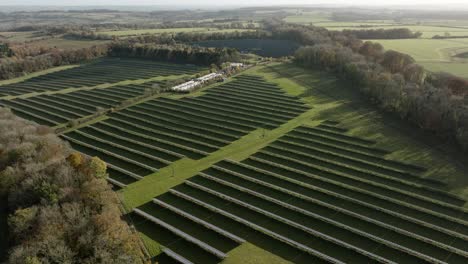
{"x": 392, "y": 33}
{"x": 5, "y": 50}
{"x": 61, "y": 209}
{"x": 436, "y": 102}
{"x": 174, "y": 53}
{"x": 30, "y": 60}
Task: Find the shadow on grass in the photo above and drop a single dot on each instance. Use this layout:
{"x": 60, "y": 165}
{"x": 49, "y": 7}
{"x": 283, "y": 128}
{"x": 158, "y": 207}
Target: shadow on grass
{"x": 257, "y": 238}
{"x": 443, "y": 158}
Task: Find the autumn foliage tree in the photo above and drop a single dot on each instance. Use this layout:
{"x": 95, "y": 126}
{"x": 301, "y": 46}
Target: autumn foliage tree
{"x": 61, "y": 208}
{"x": 436, "y": 102}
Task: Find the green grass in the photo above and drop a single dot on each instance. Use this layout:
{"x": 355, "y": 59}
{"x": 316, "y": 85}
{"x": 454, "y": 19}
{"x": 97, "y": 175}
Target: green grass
{"x": 21, "y": 36}
{"x": 457, "y": 68}
{"x": 123, "y": 33}
{"x": 255, "y": 255}
{"x": 441, "y": 159}
{"x": 330, "y": 100}
{"x": 151, "y": 31}
{"x": 434, "y": 54}
{"x": 428, "y": 49}
{"x": 308, "y": 17}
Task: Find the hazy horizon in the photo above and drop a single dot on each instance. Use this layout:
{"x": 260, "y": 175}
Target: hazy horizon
{"x": 421, "y": 3}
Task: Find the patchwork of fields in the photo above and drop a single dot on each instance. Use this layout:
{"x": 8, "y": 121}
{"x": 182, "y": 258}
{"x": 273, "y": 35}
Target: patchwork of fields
{"x": 146, "y": 137}
{"x": 314, "y": 195}
{"x": 434, "y": 54}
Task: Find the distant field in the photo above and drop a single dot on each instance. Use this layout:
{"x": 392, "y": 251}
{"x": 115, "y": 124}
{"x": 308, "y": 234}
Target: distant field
{"x": 19, "y": 36}
{"x": 457, "y": 68}
{"x": 429, "y": 28}
{"x": 427, "y": 49}
{"x": 151, "y": 31}
{"x": 428, "y": 31}
{"x": 308, "y": 17}
{"x": 69, "y": 44}
{"x": 124, "y": 33}
{"x": 436, "y": 55}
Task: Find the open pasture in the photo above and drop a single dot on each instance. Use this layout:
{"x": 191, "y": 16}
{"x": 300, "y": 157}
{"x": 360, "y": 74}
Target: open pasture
{"x": 107, "y": 70}
{"x": 317, "y": 194}
{"x": 434, "y": 54}
{"x": 146, "y": 137}
{"x": 134, "y": 32}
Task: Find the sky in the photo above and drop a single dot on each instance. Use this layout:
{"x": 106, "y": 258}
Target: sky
{"x": 230, "y": 3}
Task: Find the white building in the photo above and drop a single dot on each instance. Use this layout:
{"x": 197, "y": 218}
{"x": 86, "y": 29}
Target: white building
{"x": 237, "y": 64}
{"x": 190, "y": 85}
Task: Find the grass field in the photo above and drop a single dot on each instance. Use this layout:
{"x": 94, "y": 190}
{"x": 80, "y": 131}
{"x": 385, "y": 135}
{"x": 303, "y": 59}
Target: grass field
{"x": 428, "y": 49}
{"x": 308, "y": 17}
{"x": 428, "y": 28}
{"x": 278, "y": 163}
{"x": 123, "y": 33}
{"x": 434, "y": 54}
{"x": 152, "y": 31}
{"x": 20, "y": 36}
{"x": 330, "y": 101}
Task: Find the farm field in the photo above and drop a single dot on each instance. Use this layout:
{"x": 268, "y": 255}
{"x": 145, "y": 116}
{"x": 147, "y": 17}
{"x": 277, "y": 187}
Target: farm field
{"x": 428, "y": 49}
{"x": 149, "y": 136}
{"x": 121, "y": 33}
{"x": 262, "y": 47}
{"x": 434, "y": 54}
{"x": 330, "y": 178}
{"x": 429, "y": 28}
{"x": 20, "y": 36}
{"x": 102, "y": 71}
{"x": 135, "y": 32}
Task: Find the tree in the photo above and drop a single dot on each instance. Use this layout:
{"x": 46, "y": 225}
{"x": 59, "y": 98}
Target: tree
{"x": 98, "y": 168}
{"x": 395, "y": 61}
{"x": 61, "y": 208}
